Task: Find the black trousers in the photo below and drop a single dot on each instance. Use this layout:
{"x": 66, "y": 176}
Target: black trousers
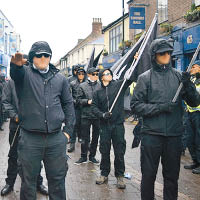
{"x": 51, "y": 148}
{"x": 85, "y": 127}
{"x": 194, "y": 138}
{"x": 77, "y": 127}
{"x": 168, "y": 149}
{"x": 12, "y": 170}
{"x": 112, "y": 133}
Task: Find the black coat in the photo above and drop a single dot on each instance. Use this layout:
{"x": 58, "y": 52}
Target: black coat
{"x": 75, "y": 89}
{"x": 85, "y": 94}
{"x": 155, "y": 87}
{"x": 104, "y": 98}
{"x": 45, "y": 101}
{"x": 10, "y": 103}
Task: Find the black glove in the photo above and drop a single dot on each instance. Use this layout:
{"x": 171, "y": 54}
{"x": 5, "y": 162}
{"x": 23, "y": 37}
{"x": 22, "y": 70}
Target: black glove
{"x": 168, "y": 107}
{"x": 107, "y": 115}
{"x": 185, "y": 78}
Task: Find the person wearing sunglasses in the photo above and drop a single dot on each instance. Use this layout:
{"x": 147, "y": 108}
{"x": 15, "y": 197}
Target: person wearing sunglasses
{"x": 111, "y": 125}
{"x": 75, "y": 85}
{"x": 162, "y": 124}
{"x": 74, "y": 73}
{"x": 45, "y": 103}
{"x": 88, "y": 119}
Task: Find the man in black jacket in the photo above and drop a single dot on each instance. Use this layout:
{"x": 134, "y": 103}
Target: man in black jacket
{"x": 111, "y": 125}
{"x": 74, "y": 73}
{"x": 75, "y": 85}
{"x": 45, "y": 102}
{"x": 88, "y": 119}
{"x": 162, "y": 124}
{"x": 10, "y": 103}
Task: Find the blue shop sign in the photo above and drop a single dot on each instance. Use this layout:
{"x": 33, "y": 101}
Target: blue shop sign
{"x": 137, "y": 18}
{"x": 191, "y": 38}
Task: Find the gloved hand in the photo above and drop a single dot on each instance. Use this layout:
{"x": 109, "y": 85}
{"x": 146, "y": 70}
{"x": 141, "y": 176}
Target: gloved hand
{"x": 185, "y": 78}
{"x": 107, "y": 115}
{"x": 168, "y": 107}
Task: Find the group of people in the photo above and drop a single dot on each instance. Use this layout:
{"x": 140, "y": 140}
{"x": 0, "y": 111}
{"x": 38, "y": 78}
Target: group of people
{"x": 48, "y": 111}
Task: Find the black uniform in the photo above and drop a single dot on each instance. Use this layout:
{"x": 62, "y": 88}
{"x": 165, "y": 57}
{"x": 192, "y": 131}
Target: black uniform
{"x": 162, "y": 125}
{"x": 75, "y": 86}
{"x": 111, "y": 130}
{"x": 86, "y": 93}
{"x": 45, "y": 102}
{"x": 10, "y": 103}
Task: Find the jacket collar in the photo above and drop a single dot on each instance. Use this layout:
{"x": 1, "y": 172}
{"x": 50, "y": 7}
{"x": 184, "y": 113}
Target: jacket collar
{"x": 161, "y": 68}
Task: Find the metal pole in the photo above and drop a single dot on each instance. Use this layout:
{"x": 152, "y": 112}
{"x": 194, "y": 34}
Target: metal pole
{"x": 123, "y": 28}
{"x": 134, "y": 64}
{"x": 188, "y": 70}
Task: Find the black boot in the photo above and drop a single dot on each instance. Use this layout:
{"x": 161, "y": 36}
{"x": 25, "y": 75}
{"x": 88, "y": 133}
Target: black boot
{"x": 6, "y": 190}
{"x": 192, "y": 166}
{"x": 196, "y": 170}
{"x": 71, "y": 148}
{"x": 42, "y": 189}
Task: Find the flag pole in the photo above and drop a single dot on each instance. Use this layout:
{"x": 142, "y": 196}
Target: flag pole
{"x": 188, "y": 70}
{"x": 135, "y": 62}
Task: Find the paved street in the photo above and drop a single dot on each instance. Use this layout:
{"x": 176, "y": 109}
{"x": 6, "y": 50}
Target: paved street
{"x": 81, "y": 179}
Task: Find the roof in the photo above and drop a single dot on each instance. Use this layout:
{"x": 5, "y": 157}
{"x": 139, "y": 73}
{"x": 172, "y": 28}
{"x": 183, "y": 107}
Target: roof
{"x": 115, "y": 23}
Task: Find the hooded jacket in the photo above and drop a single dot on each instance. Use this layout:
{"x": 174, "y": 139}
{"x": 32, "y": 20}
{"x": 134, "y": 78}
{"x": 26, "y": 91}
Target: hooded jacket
{"x": 10, "y": 103}
{"x": 86, "y": 93}
{"x": 45, "y": 101}
{"x": 104, "y": 97}
{"x": 75, "y": 89}
{"x": 157, "y": 86}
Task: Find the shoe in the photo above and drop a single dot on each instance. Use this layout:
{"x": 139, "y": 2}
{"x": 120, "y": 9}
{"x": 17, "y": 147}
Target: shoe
{"x": 94, "y": 161}
{"x": 192, "y": 166}
{"x": 42, "y": 190}
{"x": 1, "y": 129}
{"x": 196, "y": 170}
{"x": 120, "y": 183}
{"x": 6, "y": 190}
{"x": 81, "y": 161}
{"x": 71, "y": 147}
{"x": 101, "y": 180}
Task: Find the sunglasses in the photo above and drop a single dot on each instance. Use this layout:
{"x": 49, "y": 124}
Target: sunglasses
{"x": 107, "y": 74}
{"x": 81, "y": 74}
{"x": 95, "y": 74}
{"x": 42, "y": 54}
{"x": 163, "y": 53}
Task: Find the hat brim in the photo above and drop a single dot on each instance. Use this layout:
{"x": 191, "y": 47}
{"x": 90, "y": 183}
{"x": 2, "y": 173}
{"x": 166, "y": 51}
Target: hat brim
{"x": 167, "y": 49}
{"x": 41, "y": 52}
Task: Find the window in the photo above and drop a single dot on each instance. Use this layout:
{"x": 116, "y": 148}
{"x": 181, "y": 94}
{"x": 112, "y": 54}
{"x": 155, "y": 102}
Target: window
{"x": 115, "y": 38}
{"x": 162, "y": 10}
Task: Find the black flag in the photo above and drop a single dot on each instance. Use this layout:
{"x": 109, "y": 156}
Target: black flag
{"x": 90, "y": 61}
{"x": 124, "y": 63}
{"x": 144, "y": 61}
{"x": 96, "y": 60}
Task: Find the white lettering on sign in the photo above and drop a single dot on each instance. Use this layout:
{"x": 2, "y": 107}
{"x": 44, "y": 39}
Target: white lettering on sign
{"x": 136, "y": 13}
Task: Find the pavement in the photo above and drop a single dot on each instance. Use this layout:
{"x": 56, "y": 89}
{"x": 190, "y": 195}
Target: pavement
{"x": 80, "y": 180}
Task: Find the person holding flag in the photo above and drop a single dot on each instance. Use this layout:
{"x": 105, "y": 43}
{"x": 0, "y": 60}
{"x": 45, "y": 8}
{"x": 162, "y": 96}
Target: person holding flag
{"x": 162, "y": 125}
{"x": 111, "y": 125}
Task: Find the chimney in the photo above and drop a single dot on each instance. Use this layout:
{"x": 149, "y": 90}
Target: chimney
{"x": 96, "y": 26}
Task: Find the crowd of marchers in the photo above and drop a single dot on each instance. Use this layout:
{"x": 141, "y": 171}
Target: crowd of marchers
{"x": 48, "y": 112}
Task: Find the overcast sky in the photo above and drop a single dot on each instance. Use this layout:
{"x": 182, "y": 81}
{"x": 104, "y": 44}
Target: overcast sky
{"x": 59, "y": 22}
